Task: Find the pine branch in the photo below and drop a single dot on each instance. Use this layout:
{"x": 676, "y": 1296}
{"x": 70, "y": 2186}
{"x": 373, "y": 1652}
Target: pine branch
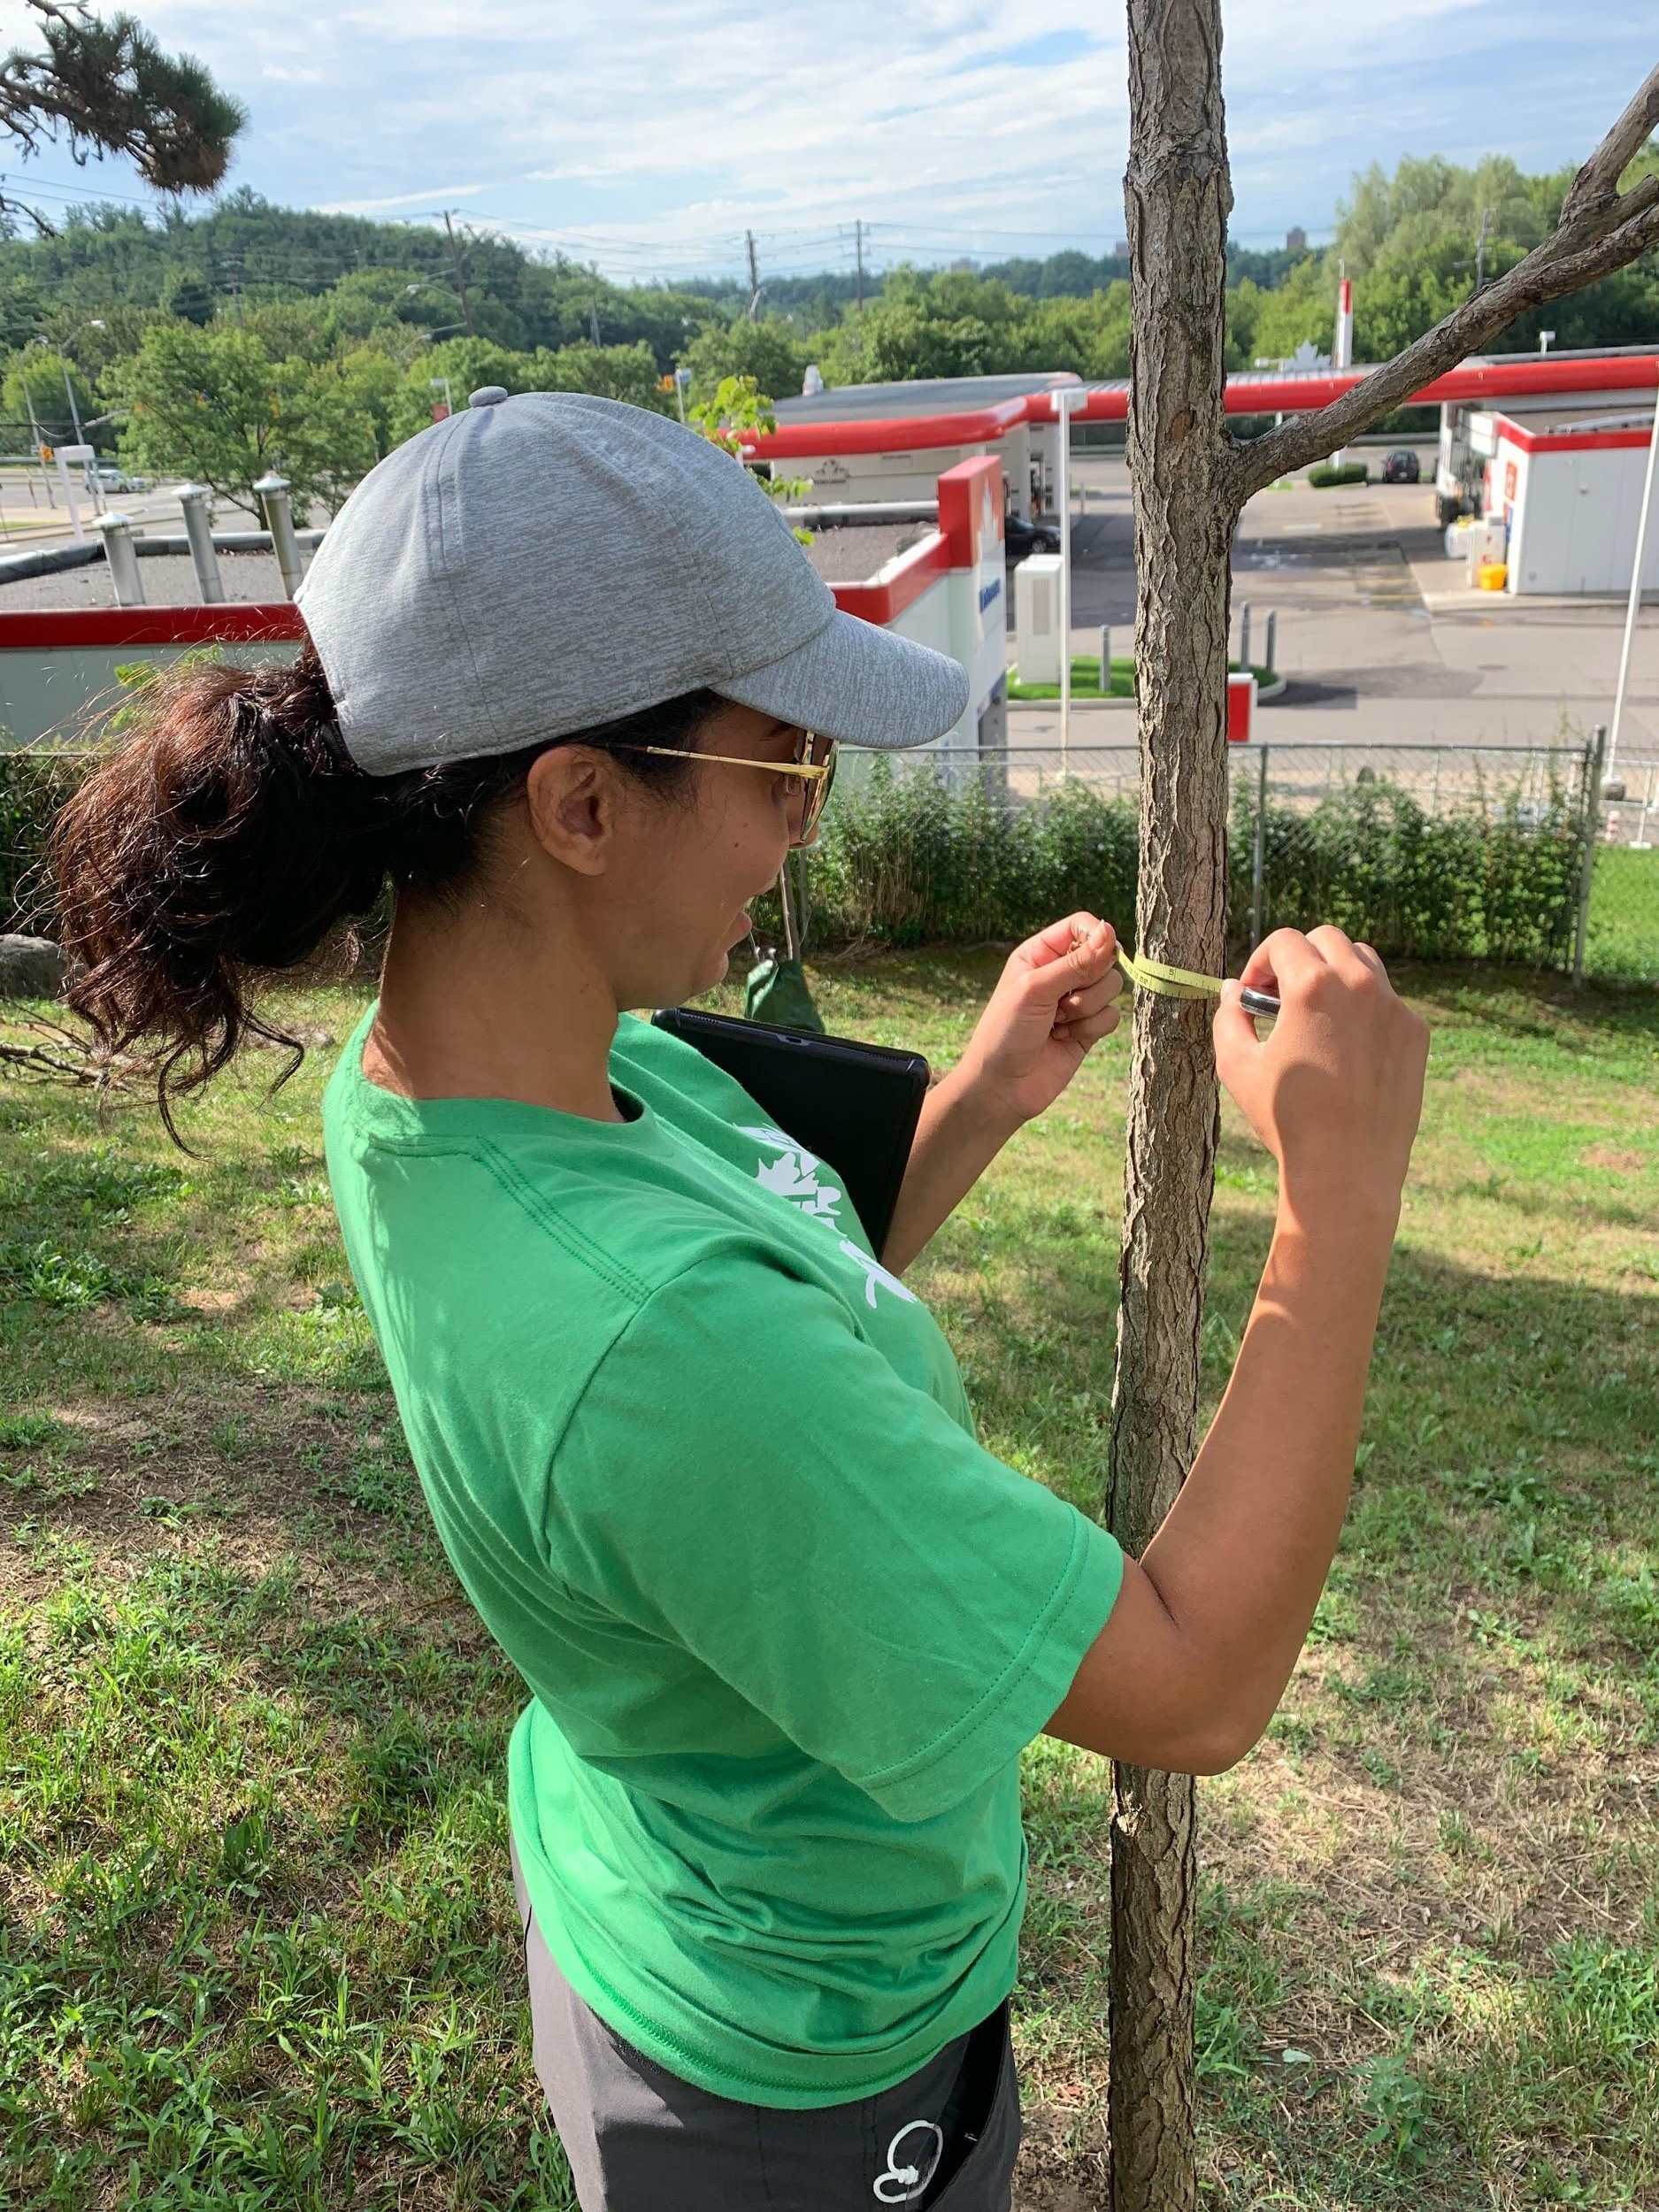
{"x": 105, "y": 87}
{"x": 1601, "y": 231}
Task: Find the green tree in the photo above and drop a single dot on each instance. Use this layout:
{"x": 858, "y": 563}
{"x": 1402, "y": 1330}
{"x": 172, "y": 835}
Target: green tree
{"x": 189, "y": 296}
{"x": 1301, "y": 311}
{"x": 766, "y": 350}
{"x": 35, "y": 373}
{"x": 214, "y": 404}
{"x": 625, "y": 372}
{"x": 735, "y": 410}
{"x": 368, "y": 299}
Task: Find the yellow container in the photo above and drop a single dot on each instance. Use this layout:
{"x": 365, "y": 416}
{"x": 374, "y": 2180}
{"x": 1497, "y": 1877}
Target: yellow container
{"x": 1492, "y": 575}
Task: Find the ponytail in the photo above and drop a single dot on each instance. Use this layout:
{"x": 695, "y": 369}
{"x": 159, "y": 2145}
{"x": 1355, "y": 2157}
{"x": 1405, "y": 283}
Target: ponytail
{"x": 231, "y": 833}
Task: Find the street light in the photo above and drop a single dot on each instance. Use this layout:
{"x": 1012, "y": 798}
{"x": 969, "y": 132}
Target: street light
{"x": 95, "y": 323}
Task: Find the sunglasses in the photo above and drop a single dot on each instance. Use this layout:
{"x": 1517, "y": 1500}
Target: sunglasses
{"x": 816, "y": 770}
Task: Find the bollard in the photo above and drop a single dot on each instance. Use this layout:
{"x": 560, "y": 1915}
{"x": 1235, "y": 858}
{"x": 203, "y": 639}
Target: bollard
{"x": 278, "y": 518}
{"x": 117, "y": 533}
{"x": 1270, "y": 658}
{"x": 198, "y": 527}
{"x": 1105, "y": 660}
{"x": 1244, "y": 634}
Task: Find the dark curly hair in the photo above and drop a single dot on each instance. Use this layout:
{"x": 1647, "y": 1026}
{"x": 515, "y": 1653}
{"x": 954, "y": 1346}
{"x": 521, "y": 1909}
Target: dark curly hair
{"x": 223, "y": 839}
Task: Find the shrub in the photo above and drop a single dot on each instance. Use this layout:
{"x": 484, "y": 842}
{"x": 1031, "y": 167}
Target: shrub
{"x": 33, "y": 786}
{"x": 1328, "y": 473}
{"x": 1484, "y": 882}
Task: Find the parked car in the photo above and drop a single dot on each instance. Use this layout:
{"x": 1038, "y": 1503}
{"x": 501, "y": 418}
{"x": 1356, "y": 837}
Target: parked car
{"x": 1021, "y": 537}
{"x": 1402, "y": 467}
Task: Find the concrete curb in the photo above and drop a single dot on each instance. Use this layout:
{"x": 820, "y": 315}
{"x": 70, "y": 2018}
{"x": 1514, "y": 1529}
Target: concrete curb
{"x": 1264, "y": 697}
{"x": 51, "y": 560}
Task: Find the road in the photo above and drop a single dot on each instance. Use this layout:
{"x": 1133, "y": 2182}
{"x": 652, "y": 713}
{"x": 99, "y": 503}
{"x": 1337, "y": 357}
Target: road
{"x": 1380, "y": 640}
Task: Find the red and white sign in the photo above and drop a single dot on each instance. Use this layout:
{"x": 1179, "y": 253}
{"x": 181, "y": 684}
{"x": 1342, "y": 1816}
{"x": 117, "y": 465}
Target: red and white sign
{"x": 1240, "y": 707}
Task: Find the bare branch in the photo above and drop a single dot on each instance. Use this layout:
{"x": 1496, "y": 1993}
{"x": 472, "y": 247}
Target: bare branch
{"x": 52, "y": 1053}
{"x": 1596, "y": 184}
{"x": 1560, "y": 266}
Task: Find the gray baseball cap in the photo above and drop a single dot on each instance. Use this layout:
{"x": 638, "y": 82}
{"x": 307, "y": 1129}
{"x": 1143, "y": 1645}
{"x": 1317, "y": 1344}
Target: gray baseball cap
{"x": 538, "y": 566}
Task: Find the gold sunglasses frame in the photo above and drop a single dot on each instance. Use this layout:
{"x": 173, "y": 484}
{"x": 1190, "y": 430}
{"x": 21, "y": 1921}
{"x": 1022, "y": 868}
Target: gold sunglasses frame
{"x": 811, "y": 772}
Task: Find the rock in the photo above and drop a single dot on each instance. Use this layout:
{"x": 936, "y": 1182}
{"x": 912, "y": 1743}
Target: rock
{"x": 30, "y": 967}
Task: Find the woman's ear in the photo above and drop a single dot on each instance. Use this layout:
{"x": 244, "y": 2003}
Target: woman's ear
{"x": 572, "y": 794}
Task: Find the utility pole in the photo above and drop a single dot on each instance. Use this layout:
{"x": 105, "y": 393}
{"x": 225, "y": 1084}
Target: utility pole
{"x": 858, "y": 248}
{"x": 1480, "y": 251}
{"x": 754, "y": 277}
{"x": 593, "y": 315}
{"x": 460, "y": 273}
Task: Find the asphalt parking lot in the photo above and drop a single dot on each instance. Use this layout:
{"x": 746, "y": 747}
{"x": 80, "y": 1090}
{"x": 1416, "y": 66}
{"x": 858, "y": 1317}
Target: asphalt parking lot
{"x": 1380, "y": 640}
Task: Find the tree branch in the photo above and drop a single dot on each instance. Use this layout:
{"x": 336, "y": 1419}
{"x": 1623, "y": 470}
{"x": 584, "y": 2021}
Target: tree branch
{"x": 1596, "y": 244}
{"x": 1596, "y": 184}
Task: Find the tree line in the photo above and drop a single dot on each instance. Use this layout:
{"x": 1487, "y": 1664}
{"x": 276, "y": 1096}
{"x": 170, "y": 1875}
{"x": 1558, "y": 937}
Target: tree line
{"x": 252, "y": 335}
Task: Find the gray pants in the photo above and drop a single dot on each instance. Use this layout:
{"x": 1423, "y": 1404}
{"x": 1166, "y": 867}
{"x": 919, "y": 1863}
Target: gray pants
{"x": 641, "y": 2139}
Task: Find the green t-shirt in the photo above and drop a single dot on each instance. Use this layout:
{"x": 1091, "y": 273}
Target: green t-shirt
{"x": 708, "y": 1472}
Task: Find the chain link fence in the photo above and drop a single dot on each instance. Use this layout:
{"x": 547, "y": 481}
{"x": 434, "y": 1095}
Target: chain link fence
{"x": 1523, "y": 852}
{"x": 1429, "y": 852}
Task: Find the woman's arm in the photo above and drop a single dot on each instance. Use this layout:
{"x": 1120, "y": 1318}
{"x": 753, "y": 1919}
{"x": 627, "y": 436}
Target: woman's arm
{"x": 1187, "y": 1672}
{"x": 1053, "y": 1000}
{"x": 961, "y": 1131}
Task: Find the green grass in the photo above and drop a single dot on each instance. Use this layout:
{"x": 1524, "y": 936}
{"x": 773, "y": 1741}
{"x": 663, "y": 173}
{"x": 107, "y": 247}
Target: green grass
{"x": 1623, "y": 937}
{"x": 1085, "y": 682}
{"x": 256, "y": 1942}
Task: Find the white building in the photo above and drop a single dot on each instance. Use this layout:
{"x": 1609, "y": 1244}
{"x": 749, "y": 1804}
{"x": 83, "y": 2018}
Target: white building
{"x": 1569, "y": 497}
{"x": 890, "y": 443}
{"x": 947, "y": 587}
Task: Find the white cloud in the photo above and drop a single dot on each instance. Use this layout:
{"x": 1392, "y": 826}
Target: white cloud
{"x": 654, "y": 136}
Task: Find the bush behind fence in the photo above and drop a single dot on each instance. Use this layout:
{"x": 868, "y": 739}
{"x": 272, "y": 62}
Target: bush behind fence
{"x": 907, "y": 858}
{"x": 911, "y": 856}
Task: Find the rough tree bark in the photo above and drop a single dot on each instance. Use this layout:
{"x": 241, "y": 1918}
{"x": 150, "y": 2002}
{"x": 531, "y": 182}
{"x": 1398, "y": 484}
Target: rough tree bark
{"x": 1177, "y": 200}
{"x": 1190, "y": 478}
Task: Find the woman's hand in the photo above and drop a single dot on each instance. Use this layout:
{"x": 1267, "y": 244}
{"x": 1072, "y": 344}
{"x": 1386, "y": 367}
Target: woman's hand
{"x": 1054, "y": 999}
{"x": 1335, "y": 1089}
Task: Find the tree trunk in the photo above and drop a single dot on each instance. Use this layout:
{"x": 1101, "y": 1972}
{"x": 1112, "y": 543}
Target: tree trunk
{"x": 1177, "y": 198}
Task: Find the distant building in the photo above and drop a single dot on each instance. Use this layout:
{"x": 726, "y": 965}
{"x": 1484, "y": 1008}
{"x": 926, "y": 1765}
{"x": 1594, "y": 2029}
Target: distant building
{"x": 1295, "y": 239}
{"x": 890, "y": 442}
{"x": 1120, "y": 249}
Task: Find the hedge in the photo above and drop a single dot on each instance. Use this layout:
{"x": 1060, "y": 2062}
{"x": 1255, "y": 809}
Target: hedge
{"x": 1327, "y": 473}
{"x": 908, "y": 857}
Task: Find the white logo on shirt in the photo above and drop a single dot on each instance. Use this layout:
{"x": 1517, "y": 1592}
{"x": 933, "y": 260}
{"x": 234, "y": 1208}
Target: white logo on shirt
{"x": 874, "y": 1274}
{"x": 794, "y": 1175}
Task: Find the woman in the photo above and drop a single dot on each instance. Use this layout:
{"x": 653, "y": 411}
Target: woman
{"x": 700, "y": 1457}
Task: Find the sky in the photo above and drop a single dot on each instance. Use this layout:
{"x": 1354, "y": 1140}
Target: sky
{"x": 649, "y": 137}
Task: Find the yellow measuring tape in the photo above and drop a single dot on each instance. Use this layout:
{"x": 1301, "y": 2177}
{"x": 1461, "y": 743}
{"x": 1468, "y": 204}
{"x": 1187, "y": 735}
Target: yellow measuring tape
{"x": 1154, "y": 975}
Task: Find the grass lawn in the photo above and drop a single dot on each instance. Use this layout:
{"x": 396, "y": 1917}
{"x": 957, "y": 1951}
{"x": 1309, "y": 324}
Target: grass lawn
{"x": 1623, "y": 938}
{"x": 257, "y": 1945}
{"x": 1085, "y": 682}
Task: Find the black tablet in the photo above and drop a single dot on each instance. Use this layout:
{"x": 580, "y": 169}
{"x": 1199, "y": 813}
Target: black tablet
{"x": 854, "y": 1106}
